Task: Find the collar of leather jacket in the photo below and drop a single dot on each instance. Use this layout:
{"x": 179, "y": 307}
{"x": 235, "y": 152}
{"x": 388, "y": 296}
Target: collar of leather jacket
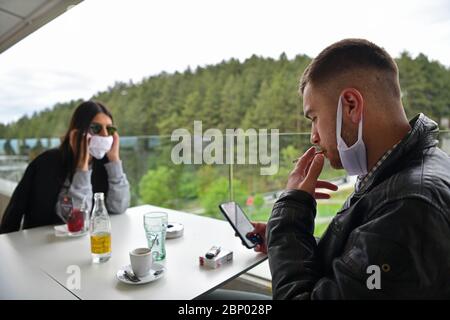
{"x": 423, "y": 135}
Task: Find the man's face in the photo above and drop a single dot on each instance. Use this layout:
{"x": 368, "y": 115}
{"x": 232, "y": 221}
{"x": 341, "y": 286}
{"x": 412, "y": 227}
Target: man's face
{"x": 318, "y": 108}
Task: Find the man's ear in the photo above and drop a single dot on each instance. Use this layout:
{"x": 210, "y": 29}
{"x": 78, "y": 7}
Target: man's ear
{"x": 352, "y": 104}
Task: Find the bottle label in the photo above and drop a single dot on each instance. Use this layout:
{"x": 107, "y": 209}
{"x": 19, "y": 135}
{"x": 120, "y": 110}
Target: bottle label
{"x": 101, "y": 243}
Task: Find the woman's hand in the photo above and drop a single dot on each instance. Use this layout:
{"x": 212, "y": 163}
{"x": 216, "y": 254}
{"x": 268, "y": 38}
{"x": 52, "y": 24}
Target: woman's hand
{"x": 83, "y": 161}
{"x": 113, "y": 154}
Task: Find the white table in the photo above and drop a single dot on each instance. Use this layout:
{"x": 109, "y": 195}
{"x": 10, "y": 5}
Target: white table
{"x": 20, "y": 279}
{"x": 184, "y": 278}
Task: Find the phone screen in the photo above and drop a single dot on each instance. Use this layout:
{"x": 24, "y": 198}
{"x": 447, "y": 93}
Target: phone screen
{"x": 238, "y": 220}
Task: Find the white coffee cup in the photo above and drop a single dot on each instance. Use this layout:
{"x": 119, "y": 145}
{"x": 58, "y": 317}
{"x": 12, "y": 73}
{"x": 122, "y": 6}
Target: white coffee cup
{"x": 141, "y": 261}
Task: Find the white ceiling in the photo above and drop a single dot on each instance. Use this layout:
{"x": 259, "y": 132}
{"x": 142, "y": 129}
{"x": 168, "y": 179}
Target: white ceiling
{"x": 19, "y": 18}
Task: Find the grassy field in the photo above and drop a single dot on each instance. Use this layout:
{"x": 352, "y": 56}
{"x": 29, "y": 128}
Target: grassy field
{"x": 320, "y": 228}
{"x": 323, "y": 211}
{"x": 326, "y": 210}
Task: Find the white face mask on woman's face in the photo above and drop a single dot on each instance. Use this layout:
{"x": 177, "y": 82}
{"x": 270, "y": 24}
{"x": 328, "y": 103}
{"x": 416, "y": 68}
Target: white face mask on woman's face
{"x": 353, "y": 158}
{"x": 99, "y": 146}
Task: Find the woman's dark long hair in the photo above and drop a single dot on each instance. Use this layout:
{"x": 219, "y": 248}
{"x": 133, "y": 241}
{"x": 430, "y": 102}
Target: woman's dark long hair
{"x": 81, "y": 120}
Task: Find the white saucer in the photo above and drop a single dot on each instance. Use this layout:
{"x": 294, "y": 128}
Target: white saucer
{"x": 148, "y": 278}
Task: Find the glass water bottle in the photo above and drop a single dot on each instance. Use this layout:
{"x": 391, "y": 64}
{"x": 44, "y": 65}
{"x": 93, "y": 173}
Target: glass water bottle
{"x": 100, "y": 229}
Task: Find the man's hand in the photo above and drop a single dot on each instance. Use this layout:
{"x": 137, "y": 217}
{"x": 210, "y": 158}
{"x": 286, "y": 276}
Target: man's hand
{"x": 113, "y": 154}
{"x": 259, "y": 229}
{"x": 306, "y": 172}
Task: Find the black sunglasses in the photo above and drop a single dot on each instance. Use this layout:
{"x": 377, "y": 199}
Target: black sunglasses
{"x": 96, "y": 128}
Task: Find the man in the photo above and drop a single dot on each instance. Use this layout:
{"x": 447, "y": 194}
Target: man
{"x": 391, "y": 239}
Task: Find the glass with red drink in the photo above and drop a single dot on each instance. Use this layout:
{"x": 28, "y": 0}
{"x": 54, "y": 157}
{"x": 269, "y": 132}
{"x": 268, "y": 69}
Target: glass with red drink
{"x": 78, "y": 221}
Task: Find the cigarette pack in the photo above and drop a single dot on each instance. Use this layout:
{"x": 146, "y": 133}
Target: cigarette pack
{"x": 224, "y": 256}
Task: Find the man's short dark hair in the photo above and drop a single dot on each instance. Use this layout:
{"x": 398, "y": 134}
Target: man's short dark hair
{"x": 347, "y": 55}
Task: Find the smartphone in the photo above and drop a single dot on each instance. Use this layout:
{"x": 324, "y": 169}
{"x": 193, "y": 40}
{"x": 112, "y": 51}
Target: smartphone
{"x": 240, "y": 223}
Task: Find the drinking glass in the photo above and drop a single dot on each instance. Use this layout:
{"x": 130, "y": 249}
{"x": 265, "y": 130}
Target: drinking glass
{"x": 155, "y": 225}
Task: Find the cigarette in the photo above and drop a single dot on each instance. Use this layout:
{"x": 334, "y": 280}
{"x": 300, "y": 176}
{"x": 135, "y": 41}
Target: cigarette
{"x": 317, "y": 152}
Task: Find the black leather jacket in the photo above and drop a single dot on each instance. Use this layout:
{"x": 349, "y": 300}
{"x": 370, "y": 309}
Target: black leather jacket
{"x": 399, "y": 223}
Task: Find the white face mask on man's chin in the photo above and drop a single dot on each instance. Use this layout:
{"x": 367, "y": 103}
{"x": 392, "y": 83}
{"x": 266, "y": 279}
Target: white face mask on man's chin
{"x": 99, "y": 146}
{"x": 353, "y": 158}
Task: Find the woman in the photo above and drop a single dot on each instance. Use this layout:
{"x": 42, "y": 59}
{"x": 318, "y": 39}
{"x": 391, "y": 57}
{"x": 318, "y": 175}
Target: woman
{"x": 86, "y": 162}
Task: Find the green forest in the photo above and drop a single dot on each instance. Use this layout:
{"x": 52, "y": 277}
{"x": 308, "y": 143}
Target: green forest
{"x": 256, "y": 93}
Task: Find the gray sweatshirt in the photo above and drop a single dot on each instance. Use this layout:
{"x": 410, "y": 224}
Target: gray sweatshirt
{"x": 118, "y": 199}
